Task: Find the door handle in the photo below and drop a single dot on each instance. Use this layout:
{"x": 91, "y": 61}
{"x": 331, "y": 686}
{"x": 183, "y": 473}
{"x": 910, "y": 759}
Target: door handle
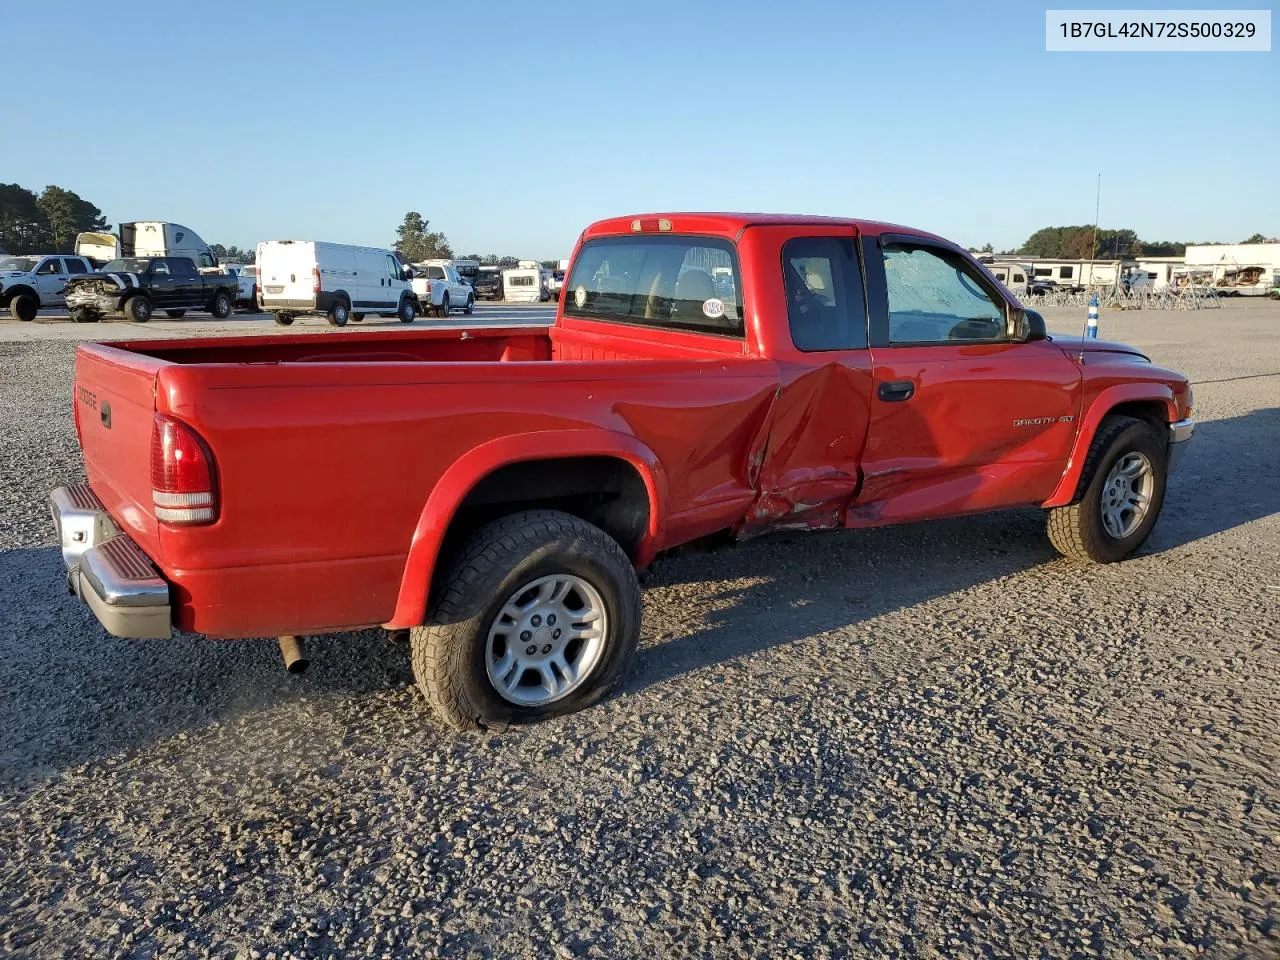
{"x": 895, "y": 391}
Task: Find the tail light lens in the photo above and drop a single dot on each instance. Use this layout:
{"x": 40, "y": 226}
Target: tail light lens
{"x": 315, "y": 279}
{"x": 183, "y": 476}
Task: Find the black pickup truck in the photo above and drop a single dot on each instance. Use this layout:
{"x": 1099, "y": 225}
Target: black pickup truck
{"x": 139, "y": 286}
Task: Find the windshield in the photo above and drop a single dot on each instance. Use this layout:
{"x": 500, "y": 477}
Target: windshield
{"x": 20, "y": 264}
{"x": 128, "y": 265}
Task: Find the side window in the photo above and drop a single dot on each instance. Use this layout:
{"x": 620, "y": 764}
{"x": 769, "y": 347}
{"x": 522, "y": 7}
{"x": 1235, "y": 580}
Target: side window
{"x": 824, "y": 294}
{"x": 206, "y": 260}
{"x": 1019, "y": 278}
{"x": 184, "y": 268}
{"x": 393, "y": 268}
{"x": 435, "y": 273}
{"x": 49, "y": 267}
{"x": 159, "y": 268}
{"x": 935, "y": 297}
{"x": 1064, "y": 273}
{"x": 76, "y": 265}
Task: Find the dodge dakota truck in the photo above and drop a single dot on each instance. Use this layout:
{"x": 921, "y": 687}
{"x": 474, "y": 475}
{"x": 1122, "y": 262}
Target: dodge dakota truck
{"x": 138, "y": 286}
{"x": 493, "y": 491}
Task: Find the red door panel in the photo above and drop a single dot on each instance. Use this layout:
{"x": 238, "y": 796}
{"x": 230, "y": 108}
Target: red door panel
{"x": 986, "y": 426}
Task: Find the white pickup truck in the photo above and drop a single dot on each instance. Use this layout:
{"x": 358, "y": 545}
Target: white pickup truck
{"x": 440, "y": 288}
{"x": 29, "y": 283}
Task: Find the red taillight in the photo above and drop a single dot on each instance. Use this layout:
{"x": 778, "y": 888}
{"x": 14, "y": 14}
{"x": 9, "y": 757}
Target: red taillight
{"x": 315, "y": 279}
{"x": 183, "y": 488}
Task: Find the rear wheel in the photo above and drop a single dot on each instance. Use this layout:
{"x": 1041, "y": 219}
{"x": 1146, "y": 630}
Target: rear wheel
{"x": 284, "y": 319}
{"x": 408, "y": 311}
{"x": 138, "y": 309}
{"x": 83, "y": 316}
{"x": 24, "y": 307}
{"x": 539, "y": 615}
{"x": 221, "y": 306}
{"x": 1120, "y": 494}
{"x": 175, "y": 314}
{"x": 338, "y": 312}
{"x": 443, "y": 309}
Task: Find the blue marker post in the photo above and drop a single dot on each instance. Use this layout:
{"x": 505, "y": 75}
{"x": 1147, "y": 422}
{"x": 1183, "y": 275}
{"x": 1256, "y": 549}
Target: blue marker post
{"x": 1091, "y": 329}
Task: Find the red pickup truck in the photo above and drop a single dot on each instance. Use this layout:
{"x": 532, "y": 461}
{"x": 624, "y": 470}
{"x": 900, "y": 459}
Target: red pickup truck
{"x": 493, "y": 490}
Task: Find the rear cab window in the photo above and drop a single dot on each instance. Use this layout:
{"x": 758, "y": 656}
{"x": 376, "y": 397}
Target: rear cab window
{"x": 823, "y": 283}
{"x": 672, "y": 282}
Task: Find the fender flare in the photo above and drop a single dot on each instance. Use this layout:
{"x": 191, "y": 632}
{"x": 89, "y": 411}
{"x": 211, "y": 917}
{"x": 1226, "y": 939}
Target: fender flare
{"x": 17, "y": 290}
{"x": 1102, "y": 404}
{"x": 468, "y": 470}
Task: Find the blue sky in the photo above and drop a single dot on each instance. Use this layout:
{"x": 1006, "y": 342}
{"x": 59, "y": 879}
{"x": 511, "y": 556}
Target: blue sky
{"x": 513, "y": 125}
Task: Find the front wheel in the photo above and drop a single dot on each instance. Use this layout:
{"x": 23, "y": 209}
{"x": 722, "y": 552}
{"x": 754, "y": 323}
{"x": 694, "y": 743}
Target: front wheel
{"x": 408, "y": 312}
{"x": 1120, "y": 494}
{"x": 538, "y": 616}
{"x": 24, "y": 307}
{"x": 470, "y": 307}
{"x": 138, "y": 309}
{"x": 175, "y": 314}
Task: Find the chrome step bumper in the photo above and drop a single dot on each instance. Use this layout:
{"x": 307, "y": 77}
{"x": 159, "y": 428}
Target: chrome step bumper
{"x": 106, "y": 569}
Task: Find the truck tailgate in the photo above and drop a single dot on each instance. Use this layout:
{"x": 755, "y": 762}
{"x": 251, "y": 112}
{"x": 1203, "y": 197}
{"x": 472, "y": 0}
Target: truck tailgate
{"x": 115, "y": 407}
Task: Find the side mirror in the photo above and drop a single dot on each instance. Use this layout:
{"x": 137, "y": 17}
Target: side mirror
{"x": 1026, "y": 325}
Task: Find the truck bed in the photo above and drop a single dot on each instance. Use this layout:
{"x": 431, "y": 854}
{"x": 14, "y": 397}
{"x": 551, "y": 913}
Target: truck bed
{"x": 328, "y": 446}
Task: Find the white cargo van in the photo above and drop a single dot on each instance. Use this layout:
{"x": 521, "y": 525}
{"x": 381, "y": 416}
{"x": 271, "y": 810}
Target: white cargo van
{"x": 333, "y": 280}
{"x": 147, "y": 238}
{"x": 523, "y": 285}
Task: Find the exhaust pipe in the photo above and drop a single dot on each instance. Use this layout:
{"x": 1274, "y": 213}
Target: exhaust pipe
{"x": 295, "y": 661}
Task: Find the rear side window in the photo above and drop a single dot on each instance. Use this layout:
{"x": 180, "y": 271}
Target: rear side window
{"x": 182, "y": 267}
{"x": 823, "y": 283}
{"x": 684, "y": 283}
{"x": 76, "y": 265}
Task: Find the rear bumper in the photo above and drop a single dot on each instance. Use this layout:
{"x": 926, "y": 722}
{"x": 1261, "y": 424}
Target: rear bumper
{"x": 106, "y": 569}
{"x": 1179, "y": 435}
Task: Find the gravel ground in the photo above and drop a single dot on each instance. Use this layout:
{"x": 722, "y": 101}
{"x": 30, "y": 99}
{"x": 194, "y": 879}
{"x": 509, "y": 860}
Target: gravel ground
{"x": 937, "y": 740}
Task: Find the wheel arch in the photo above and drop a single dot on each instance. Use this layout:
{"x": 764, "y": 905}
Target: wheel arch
{"x": 1153, "y": 403}
{"x": 18, "y": 290}
{"x": 461, "y": 499}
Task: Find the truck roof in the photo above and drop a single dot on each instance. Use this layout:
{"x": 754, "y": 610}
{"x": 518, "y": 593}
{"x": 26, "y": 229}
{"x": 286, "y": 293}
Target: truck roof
{"x": 730, "y": 224}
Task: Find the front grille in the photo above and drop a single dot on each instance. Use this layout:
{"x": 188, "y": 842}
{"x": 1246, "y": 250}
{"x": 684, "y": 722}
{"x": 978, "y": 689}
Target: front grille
{"x": 127, "y": 560}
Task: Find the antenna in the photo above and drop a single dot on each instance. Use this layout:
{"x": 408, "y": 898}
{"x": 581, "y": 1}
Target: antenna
{"x": 1089, "y": 314}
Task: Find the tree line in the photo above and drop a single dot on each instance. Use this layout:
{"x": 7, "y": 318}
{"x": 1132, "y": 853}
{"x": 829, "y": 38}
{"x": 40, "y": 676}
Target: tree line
{"x": 415, "y": 242}
{"x": 46, "y": 222}
{"x": 1080, "y": 243}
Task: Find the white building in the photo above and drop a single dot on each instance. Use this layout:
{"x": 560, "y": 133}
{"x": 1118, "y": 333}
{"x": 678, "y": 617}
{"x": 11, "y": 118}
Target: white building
{"x": 1249, "y": 269}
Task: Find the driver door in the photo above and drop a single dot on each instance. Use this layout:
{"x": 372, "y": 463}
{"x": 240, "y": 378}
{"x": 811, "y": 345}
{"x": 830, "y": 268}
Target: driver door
{"x": 964, "y": 418}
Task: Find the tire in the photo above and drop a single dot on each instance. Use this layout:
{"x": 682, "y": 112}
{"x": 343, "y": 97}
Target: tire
{"x": 339, "y": 311}
{"x": 23, "y": 307}
{"x": 83, "y": 315}
{"x": 284, "y": 319}
{"x": 357, "y": 317}
{"x": 138, "y": 308}
{"x": 443, "y": 309}
{"x": 1080, "y": 530}
{"x": 221, "y": 306}
{"x": 451, "y": 653}
{"x": 470, "y": 307}
{"x": 408, "y": 311}
{"x": 175, "y": 314}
